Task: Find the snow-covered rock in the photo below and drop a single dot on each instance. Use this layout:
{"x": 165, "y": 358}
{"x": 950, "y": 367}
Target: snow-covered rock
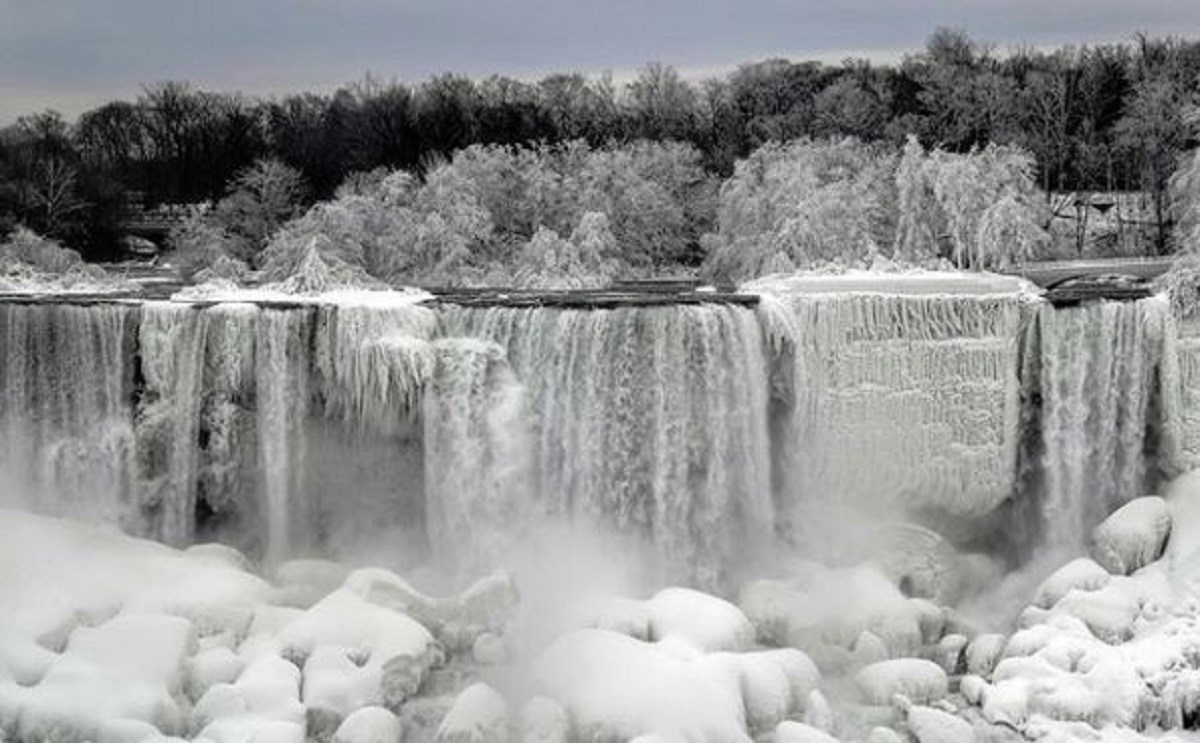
{"x": 915, "y": 678}
{"x": 1133, "y": 536}
{"x": 544, "y": 720}
{"x": 479, "y": 715}
{"x": 617, "y": 688}
{"x": 983, "y": 653}
{"x": 393, "y": 647}
{"x": 818, "y": 713}
{"x": 930, "y": 725}
{"x": 707, "y": 622}
{"x": 884, "y": 735}
{"x": 129, "y": 668}
{"x": 798, "y": 732}
{"x": 369, "y": 725}
{"x": 215, "y": 665}
{"x": 950, "y": 654}
{"x": 488, "y": 649}
{"x": 1082, "y": 574}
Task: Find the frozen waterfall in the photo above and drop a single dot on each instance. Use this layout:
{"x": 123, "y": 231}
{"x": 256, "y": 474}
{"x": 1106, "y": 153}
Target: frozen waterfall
{"x": 649, "y": 421}
{"x": 382, "y": 421}
{"x": 1099, "y": 366}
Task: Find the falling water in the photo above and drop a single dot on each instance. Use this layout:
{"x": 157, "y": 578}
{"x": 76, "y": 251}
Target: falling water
{"x": 282, "y": 380}
{"x": 476, "y": 454}
{"x": 1098, "y": 366}
{"x": 66, "y": 386}
{"x": 171, "y": 346}
{"x": 704, "y": 430}
{"x": 651, "y": 421}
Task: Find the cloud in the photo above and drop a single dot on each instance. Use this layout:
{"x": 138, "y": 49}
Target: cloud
{"x": 72, "y": 53}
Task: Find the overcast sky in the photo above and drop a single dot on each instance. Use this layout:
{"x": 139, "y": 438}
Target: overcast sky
{"x": 74, "y": 54}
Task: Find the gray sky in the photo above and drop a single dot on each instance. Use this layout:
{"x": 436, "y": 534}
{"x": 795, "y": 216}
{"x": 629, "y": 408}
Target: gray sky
{"x": 74, "y": 54}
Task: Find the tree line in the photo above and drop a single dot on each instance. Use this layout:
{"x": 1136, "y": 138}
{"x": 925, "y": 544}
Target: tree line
{"x": 1094, "y": 118}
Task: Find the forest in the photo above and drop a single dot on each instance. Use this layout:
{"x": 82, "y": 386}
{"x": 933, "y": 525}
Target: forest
{"x": 961, "y": 154}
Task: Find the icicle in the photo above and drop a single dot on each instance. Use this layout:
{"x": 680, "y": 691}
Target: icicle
{"x": 370, "y": 370}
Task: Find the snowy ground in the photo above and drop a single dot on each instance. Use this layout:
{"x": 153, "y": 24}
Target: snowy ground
{"x": 108, "y": 638}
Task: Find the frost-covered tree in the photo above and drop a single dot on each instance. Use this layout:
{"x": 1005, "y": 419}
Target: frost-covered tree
{"x": 916, "y": 210}
{"x": 585, "y": 261}
{"x": 29, "y": 261}
{"x": 800, "y": 205}
{"x": 1185, "y": 202}
{"x": 998, "y": 183}
{"x": 261, "y": 198}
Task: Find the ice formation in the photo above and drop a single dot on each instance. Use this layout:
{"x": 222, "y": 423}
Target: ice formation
{"x": 918, "y": 373}
{"x": 919, "y": 433}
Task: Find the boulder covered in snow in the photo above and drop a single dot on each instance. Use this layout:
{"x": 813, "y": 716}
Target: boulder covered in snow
{"x": 129, "y": 668}
{"x": 479, "y": 715}
{"x": 798, "y": 732}
{"x": 369, "y": 725}
{"x": 615, "y": 687}
{"x": 929, "y": 725}
{"x": 983, "y": 653}
{"x": 707, "y": 622}
{"x": 391, "y": 652}
{"x": 1133, "y": 536}
{"x": 1082, "y": 574}
{"x": 915, "y": 678}
{"x": 544, "y": 720}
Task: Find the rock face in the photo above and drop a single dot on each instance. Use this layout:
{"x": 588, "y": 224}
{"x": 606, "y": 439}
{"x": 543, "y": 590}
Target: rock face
{"x": 1134, "y": 536}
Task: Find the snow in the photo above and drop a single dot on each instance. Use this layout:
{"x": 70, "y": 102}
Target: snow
{"x": 798, "y": 732}
{"x": 915, "y": 678}
{"x": 930, "y": 725}
{"x": 1082, "y": 574}
{"x": 127, "y": 668}
{"x": 1133, "y": 536}
{"x": 369, "y": 725}
{"x": 479, "y": 715}
{"x": 398, "y": 651}
{"x": 616, "y": 687}
{"x": 543, "y": 720}
{"x": 705, "y": 621}
{"x": 983, "y": 653}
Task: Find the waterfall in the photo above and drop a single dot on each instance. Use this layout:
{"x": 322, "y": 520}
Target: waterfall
{"x": 1098, "y": 372}
{"x": 171, "y": 344}
{"x": 66, "y": 387}
{"x": 476, "y": 454}
{"x": 282, "y": 380}
{"x": 646, "y": 420}
{"x": 702, "y": 430}
{"x": 904, "y": 406}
